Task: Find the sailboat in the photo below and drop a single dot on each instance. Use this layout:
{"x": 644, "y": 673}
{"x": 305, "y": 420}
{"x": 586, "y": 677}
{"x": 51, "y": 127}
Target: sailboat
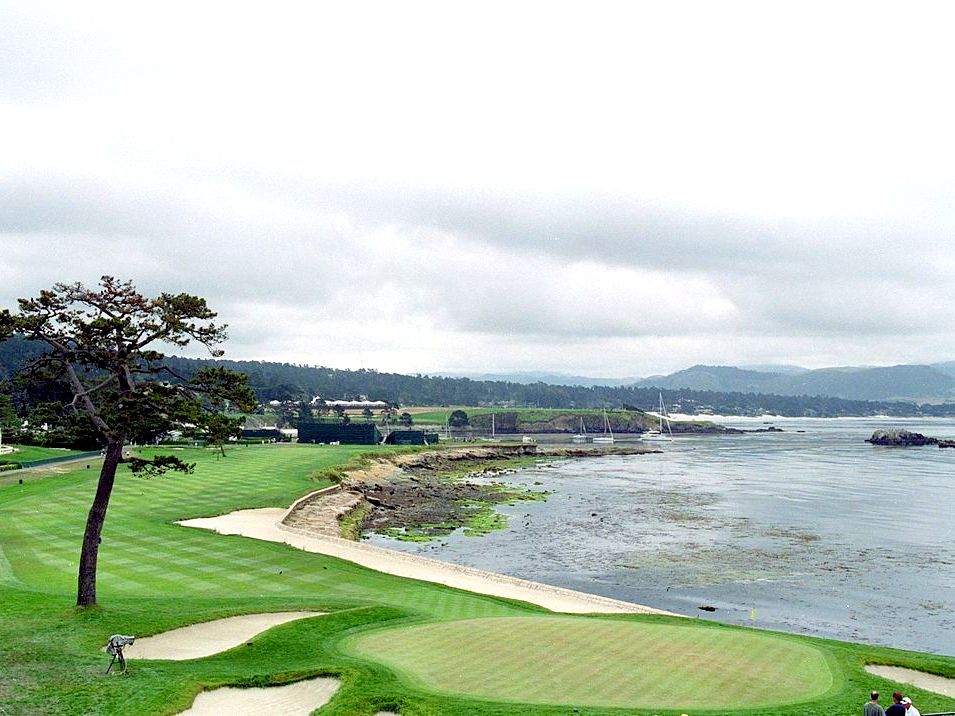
{"x": 664, "y": 434}
{"x": 607, "y": 437}
{"x": 582, "y": 436}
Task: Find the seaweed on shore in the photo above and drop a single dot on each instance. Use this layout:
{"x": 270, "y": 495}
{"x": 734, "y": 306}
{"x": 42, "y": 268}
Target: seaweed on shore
{"x": 432, "y": 503}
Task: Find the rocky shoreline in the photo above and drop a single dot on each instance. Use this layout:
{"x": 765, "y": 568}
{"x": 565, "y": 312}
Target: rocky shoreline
{"x": 622, "y": 422}
{"x": 906, "y": 438}
{"x": 425, "y": 495}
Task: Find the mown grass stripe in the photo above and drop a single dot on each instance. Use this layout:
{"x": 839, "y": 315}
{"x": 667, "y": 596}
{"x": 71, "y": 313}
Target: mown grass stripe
{"x": 156, "y": 576}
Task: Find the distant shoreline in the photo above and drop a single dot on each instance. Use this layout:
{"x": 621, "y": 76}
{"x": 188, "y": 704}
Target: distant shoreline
{"x": 793, "y": 418}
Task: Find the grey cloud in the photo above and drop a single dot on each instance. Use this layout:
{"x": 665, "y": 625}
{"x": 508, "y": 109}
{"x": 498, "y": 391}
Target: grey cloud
{"x": 623, "y": 230}
{"x": 298, "y": 249}
{"x": 320, "y": 191}
{"x": 169, "y": 236}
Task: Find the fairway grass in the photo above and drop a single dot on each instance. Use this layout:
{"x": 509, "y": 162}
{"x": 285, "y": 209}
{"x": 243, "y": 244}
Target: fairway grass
{"x": 591, "y": 662}
{"x": 25, "y": 454}
{"x": 156, "y": 576}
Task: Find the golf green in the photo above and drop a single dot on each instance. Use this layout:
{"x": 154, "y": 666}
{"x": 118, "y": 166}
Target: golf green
{"x": 601, "y": 662}
{"x": 415, "y": 648}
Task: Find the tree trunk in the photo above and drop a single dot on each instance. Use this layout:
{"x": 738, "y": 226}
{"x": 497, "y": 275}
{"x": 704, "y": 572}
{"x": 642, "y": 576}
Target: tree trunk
{"x": 86, "y": 581}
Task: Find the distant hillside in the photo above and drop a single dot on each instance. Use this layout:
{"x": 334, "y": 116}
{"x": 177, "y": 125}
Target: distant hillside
{"x": 948, "y": 368}
{"x": 916, "y": 383}
{"x": 528, "y": 377}
{"x": 14, "y": 352}
{"x": 724, "y": 379}
{"x": 899, "y": 382}
{"x": 284, "y": 381}
{"x": 775, "y": 368}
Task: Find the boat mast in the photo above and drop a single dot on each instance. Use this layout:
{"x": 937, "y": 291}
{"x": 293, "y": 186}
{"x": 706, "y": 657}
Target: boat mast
{"x": 664, "y": 415}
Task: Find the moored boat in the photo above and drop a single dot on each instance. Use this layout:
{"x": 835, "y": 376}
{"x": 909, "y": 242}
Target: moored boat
{"x": 582, "y": 436}
{"x": 664, "y": 434}
{"x": 607, "y": 437}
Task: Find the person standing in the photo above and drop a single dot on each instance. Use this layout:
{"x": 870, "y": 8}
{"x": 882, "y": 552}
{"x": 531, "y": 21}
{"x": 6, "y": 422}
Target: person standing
{"x": 896, "y": 709}
{"x": 910, "y": 709}
{"x": 872, "y": 707}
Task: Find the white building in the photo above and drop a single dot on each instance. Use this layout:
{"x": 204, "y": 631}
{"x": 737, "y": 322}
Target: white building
{"x": 360, "y": 404}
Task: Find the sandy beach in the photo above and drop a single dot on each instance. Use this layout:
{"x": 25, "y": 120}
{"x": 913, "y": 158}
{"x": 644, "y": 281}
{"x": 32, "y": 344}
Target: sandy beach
{"x": 316, "y": 533}
{"x": 268, "y": 524}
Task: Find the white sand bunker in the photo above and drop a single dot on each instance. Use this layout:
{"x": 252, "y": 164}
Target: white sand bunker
{"x": 298, "y": 699}
{"x": 922, "y": 679}
{"x": 207, "y": 638}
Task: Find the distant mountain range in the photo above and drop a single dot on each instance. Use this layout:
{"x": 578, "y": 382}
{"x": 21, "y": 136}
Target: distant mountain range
{"x": 918, "y": 383}
{"x": 948, "y": 367}
{"x": 925, "y": 390}
{"x": 531, "y": 377}
{"x": 933, "y": 383}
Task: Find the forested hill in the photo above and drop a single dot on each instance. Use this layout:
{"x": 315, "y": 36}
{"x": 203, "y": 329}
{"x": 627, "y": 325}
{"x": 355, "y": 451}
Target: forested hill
{"x": 912, "y": 383}
{"x": 284, "y": 381}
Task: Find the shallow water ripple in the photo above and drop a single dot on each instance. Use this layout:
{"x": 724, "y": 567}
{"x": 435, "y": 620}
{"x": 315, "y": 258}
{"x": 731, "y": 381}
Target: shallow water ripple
{"x": 814, "y": 532}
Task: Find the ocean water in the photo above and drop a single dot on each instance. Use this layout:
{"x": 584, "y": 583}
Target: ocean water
{"x": 811, "y": 530}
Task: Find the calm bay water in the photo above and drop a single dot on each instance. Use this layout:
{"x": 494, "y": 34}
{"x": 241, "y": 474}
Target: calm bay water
{"x": 814, "y": 532}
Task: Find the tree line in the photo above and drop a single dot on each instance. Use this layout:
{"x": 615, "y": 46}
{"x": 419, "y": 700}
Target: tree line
{"x": 81, "y": 363}
{"x": 287, "y": 382}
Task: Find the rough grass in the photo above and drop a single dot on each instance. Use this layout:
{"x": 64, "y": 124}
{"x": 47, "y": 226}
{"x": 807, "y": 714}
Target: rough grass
{"x": 350, "y": 524}
{"x": 156, "y": 576}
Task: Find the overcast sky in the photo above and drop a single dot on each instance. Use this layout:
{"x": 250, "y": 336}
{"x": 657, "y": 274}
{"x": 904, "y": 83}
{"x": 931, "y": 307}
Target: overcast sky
{"x": 612, "y": 189}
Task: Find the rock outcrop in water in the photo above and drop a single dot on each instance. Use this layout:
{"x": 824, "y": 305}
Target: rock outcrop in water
{"x": 427, "y": 494}
{"x": 900, "y": 438}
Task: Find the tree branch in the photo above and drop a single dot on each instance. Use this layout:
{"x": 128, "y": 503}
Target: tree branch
{"x": 87, "y": 402}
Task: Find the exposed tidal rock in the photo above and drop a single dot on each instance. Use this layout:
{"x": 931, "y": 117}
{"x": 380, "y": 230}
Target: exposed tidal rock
{"x": 430, "y": 493}
{"x": 900, "y": 438}
{"x": 696, "y": 427}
